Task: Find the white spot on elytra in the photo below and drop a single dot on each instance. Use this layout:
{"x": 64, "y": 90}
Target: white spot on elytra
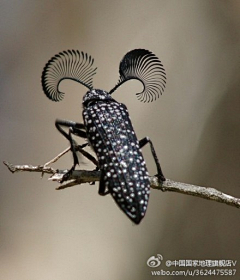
{"x": 123, "y": 164}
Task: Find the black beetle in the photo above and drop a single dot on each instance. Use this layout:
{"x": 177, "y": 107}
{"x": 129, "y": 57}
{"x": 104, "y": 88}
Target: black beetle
{"x": 107, "y": 125}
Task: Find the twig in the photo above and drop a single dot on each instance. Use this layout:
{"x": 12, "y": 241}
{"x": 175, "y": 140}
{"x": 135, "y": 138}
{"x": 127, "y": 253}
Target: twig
{"x": 57, "y": 157}
{"x": 83, "y": 176}
{"x": 30, "y": 168}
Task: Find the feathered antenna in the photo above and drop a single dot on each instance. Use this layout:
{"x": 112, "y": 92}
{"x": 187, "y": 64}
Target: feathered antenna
{"x": 71, "y": 64}
{"x": 144, "y": 66}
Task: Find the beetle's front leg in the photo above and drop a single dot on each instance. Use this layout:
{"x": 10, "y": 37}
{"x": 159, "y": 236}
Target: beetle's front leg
{"x": 77, "y": 129}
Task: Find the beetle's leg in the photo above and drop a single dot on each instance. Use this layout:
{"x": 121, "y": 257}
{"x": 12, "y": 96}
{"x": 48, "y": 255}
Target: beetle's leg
{"x": 142, "y": 143}
{"x": 74, "y": 128}
{"x": 87, "y": 155}
{"x": 77, "y": 129}
{"x": 102, "y": 188}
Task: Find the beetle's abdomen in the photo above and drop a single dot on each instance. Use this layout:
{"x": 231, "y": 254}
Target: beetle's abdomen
{"x": 123, "y": 168}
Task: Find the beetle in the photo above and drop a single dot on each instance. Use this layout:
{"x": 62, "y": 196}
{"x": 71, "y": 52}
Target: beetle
{"x": 107, "y": 125}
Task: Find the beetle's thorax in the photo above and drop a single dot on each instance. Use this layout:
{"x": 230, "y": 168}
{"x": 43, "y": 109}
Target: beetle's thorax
{"x": 96, "y": 95}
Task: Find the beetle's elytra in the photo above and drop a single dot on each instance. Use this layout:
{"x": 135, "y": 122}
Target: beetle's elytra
{"x": 107, "y": 125}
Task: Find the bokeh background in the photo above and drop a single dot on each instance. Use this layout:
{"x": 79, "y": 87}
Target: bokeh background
{"x": 76, "y": 234}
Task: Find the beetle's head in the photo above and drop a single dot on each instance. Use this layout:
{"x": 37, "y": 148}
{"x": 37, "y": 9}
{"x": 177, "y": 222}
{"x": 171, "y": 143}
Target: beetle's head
{"x": 96, "y": 95}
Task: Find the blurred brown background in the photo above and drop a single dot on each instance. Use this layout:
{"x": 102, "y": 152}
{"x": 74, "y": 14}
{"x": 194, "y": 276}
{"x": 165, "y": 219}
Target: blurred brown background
{"x": 76, "y": 234}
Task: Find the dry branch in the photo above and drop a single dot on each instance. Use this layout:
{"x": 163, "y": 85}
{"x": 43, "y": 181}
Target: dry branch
{"x": 83, "y": 176}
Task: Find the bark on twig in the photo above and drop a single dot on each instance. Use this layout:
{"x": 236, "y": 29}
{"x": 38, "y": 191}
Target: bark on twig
{"x": 83, "y": 176}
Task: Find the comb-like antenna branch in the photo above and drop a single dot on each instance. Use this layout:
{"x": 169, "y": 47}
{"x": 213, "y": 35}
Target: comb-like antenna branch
{"x": 144, "y": 66}
{"x": 71, "y": 64}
